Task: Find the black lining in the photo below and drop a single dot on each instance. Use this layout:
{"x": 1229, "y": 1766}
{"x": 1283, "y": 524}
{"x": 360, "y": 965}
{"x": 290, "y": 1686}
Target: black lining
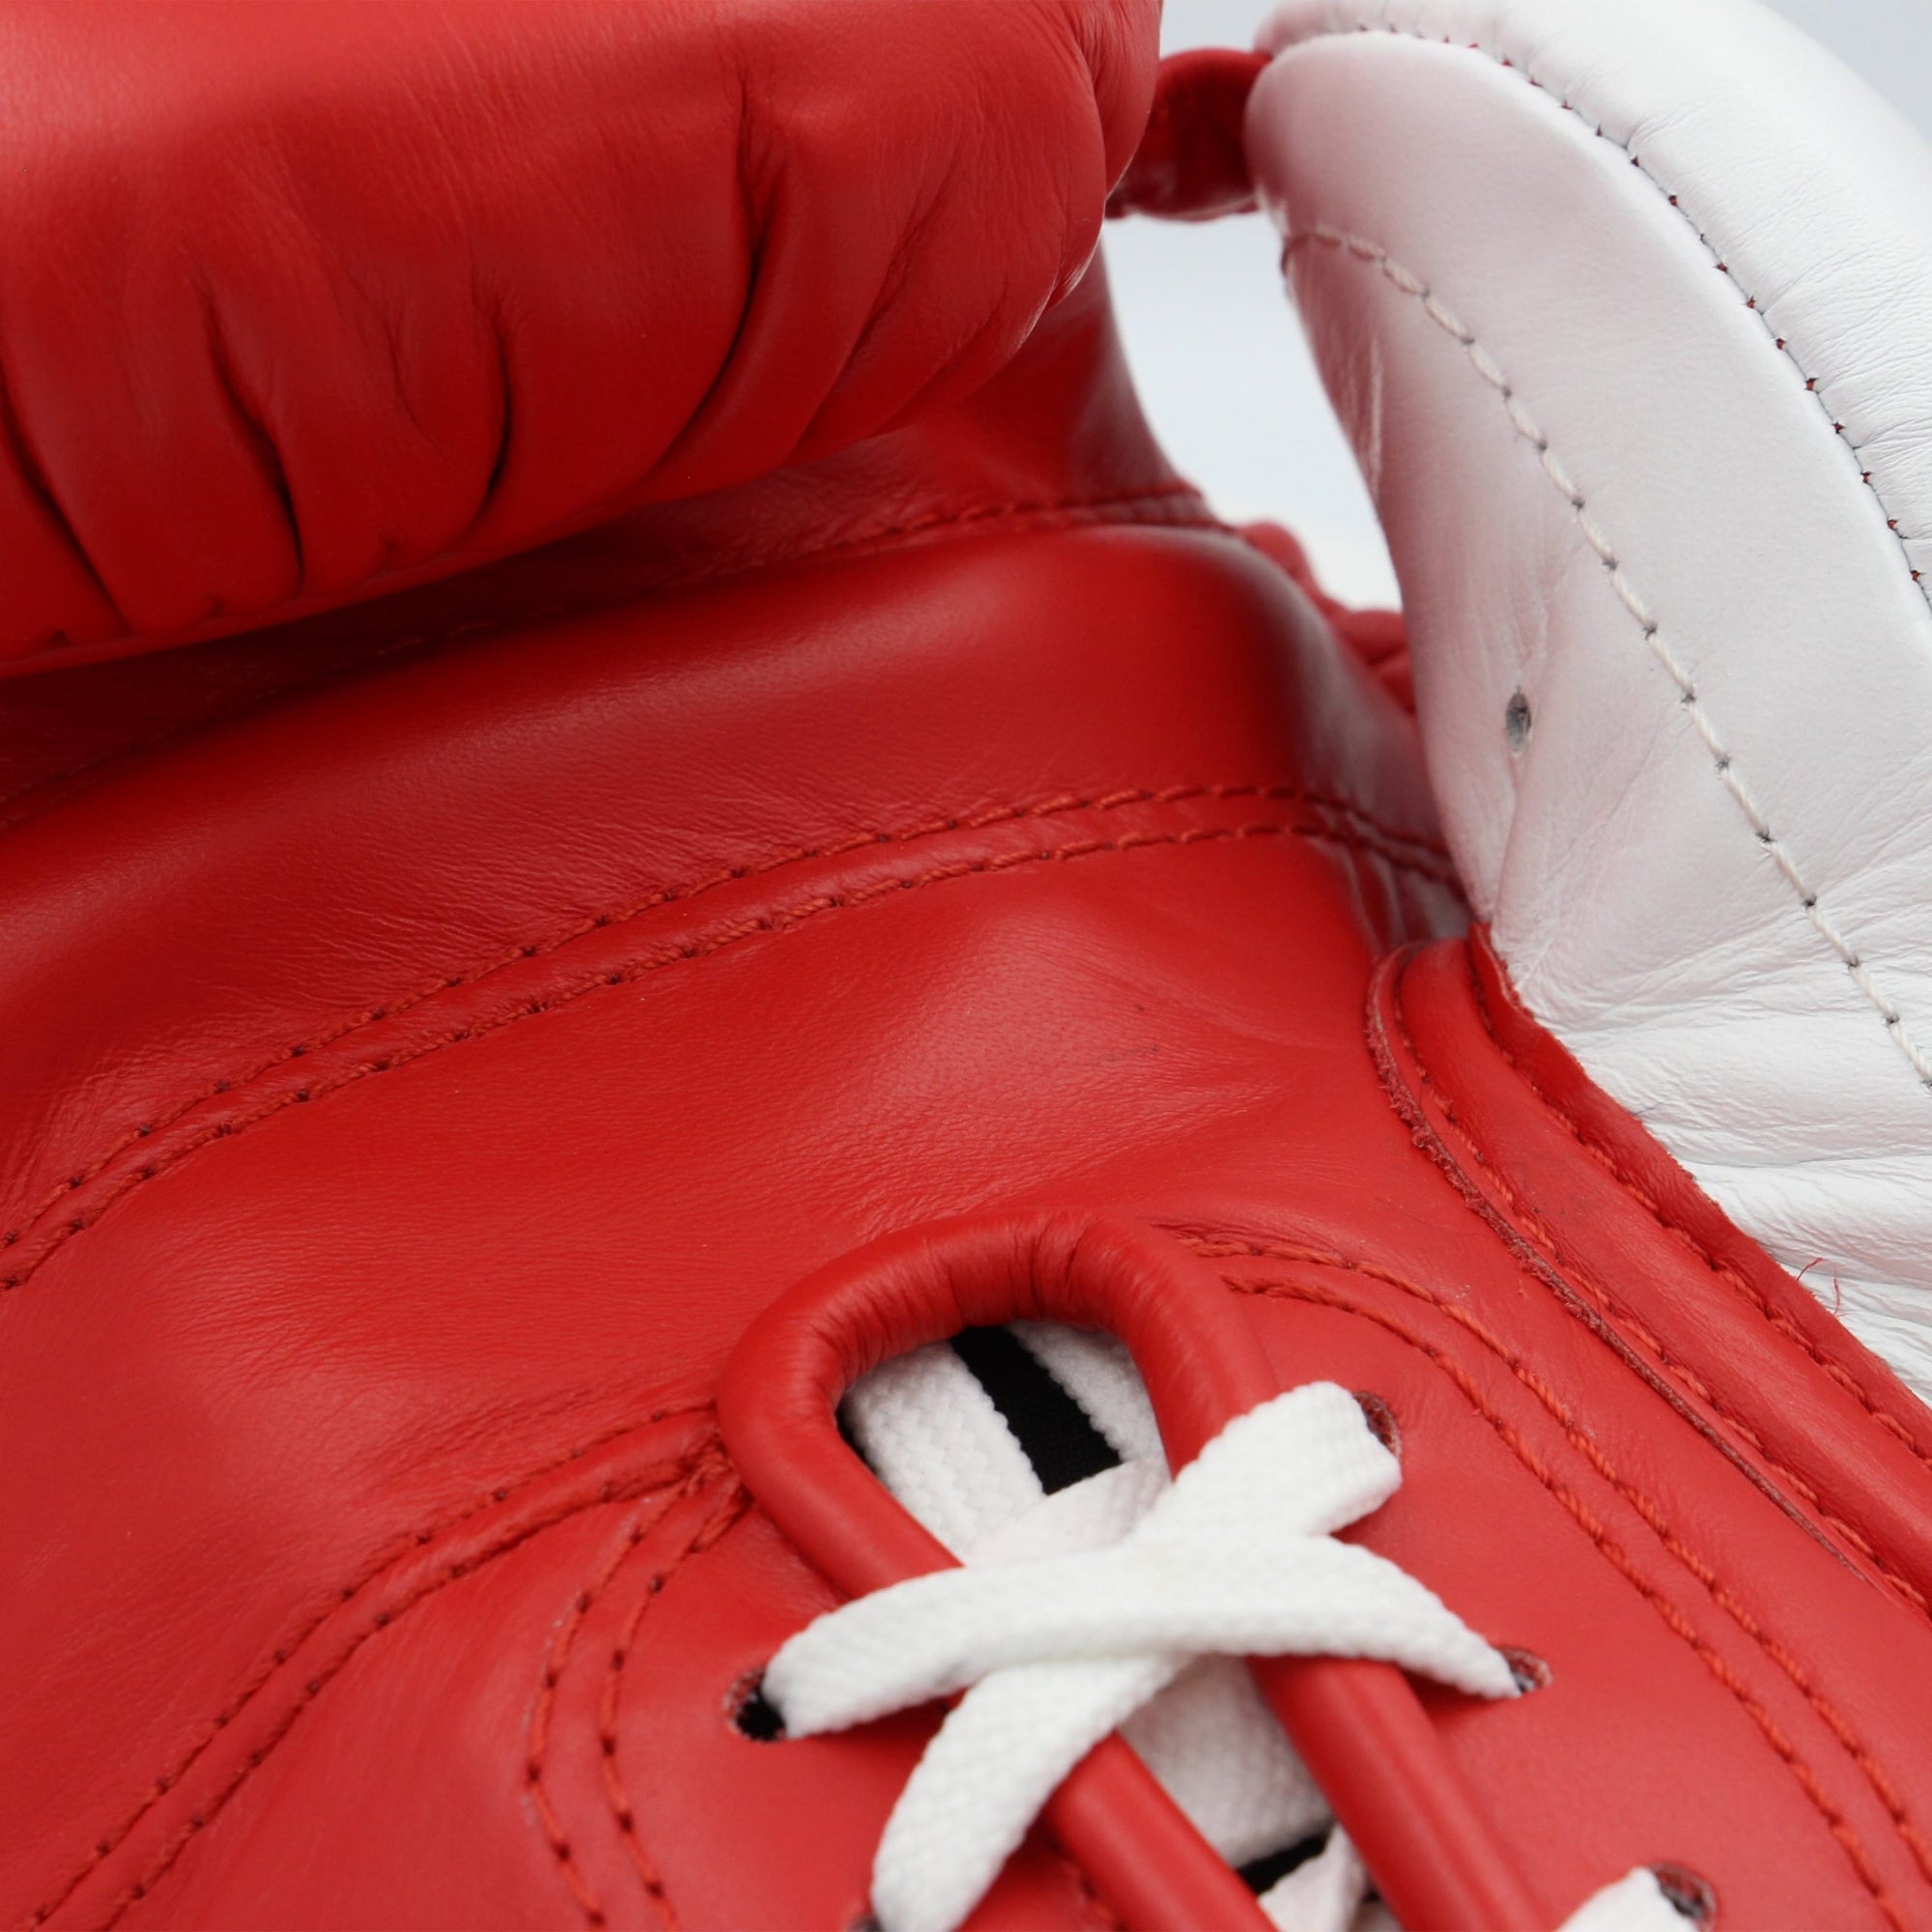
{"x": 1056, "y": 1433}
{"x": 1261, "y": 1874}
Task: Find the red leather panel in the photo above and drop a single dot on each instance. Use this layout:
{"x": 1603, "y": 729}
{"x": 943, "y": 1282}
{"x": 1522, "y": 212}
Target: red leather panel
{"x": 1116, "y": 950}
{"x": 1190, "y": 165}
{"x": 304, "y": 304}
{"x": 1357, "y": 1724}
{"x": 519, "y": 1211}
{"x": 418, "y": 1075}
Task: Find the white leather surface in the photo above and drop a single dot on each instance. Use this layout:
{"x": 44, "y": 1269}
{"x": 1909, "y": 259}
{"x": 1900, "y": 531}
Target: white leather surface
{"x": 1627, "y": 306}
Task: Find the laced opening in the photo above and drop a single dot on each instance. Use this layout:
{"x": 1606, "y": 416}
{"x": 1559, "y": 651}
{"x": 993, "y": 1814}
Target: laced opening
{"x": 1099, "y": 1594}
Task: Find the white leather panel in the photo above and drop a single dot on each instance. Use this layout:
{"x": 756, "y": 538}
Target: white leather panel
{"x": 1627, "y": 306}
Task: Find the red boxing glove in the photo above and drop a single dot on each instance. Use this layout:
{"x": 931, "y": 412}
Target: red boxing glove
{"x": 300, "y": 304}
{"x": 505, "y": 1087}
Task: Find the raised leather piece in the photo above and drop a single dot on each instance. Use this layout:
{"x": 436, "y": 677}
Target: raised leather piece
{"x": 1359, "y": 1725}
{"x": 438, "y": 1032}
{"x": 1624, "y": 308}
{"x": 398, "y": 1605}
{"x": 305, "y": 303}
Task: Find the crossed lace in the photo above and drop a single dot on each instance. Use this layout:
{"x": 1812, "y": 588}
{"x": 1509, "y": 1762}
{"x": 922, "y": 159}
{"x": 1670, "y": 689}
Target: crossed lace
{"x": 1237, "y": 1556}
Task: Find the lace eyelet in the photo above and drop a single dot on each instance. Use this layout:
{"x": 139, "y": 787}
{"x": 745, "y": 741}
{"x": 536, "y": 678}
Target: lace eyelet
{"x": 1381, "y": 1418}
{"x": 1690, "y": 1897}
{"x": 1528, "y": 1670}
{"x": 752, "y": 1713}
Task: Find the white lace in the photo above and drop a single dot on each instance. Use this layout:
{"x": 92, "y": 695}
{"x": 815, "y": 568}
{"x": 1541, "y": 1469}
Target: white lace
{"x": 1237, "y": 1556}
{"x": 1117, "y": 1601}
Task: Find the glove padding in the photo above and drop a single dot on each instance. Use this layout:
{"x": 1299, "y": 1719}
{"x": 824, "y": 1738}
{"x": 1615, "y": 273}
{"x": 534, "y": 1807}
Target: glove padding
{"x": 302, "y": 303}
{"x": 1625, "y": 305}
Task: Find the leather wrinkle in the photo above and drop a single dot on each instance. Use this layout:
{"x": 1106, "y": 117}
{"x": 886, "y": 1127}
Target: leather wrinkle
{"x": 506, "y": 421}
{"x": 392, "y": 1554}
{"x": 1101, "y": 509}
{"x": 1631, "y": 1186}
{"x": 255, "y": 434}
{"x": 1721, "y": 1593}
{"x": 1759, "y": 309}
{"x": 1406, "y": 282}
{"x": 710, "y": 1525}
{"x": 785, "y": 920}
{"x": 1620, "y": 1559}
{"x": 1530, "y": 1222}
{"x": 32, "y": 475}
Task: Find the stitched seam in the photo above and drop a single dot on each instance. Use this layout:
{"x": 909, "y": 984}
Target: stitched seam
{"x": 1606, "y": 1158}
{"x": 1524, "y": 425}
{"x": 1654, "y": 1518}
{"x": 326, "y": 1673}
{"x": 543, "y": 1708}
{"x": 1368, "y": 832}
{"x": 785, "y": 921}
{"x": 704, "y": 1535}
{"x": 1473, "y": 1201}
{"x": 709, "y": 1530}
{"x": 391, "y": 1554}
{"x": 1159, "y": 508}
{"x": 1620, "y": 1560}
{"x": 1539, "y": 1230}
{"x": 983, "y": 513}
{"x": 562, "y": 1644}
{"x": 1717, "y": 261}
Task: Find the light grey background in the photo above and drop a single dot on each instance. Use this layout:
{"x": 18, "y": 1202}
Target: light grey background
{"x": 1218, "y": 356}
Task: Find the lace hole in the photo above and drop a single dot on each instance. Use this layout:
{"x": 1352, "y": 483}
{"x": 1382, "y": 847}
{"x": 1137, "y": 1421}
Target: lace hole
{"x": 752, "y": 1713}
{"x": 1528, "y": 1670}
{"x": 1381, "y": 1418}
{"x": 1688, "y": 1895}
{"x": 1517, "y": 720}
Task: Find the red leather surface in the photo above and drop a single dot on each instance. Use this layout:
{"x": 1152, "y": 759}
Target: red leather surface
{"x": 1390, "y": 1779}
{"x": 1051, "y": 442}
{"x": 684, "y": 873}
{"x": 304, "y": 302}
{"x": 1190, "y": 165}
{"x": 417, "y": 1078}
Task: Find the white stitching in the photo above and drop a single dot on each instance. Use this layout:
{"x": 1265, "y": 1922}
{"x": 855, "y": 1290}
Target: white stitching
{"x": 1724, "y": 267}
{"x": 1524, "y": 425}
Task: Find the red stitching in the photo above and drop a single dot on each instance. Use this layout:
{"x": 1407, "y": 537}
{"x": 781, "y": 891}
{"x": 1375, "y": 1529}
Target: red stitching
{"x": 1872, "y": 1772}
{"x": 562, "y": 1644}
{"x": 1068, "y": 507}
{"x": 1367, "y": 831}
{"x": 1544, "y": 1239}
{"x": 1146, "y": 506}
{"x": 328, "y": 1673}
{"x": 391, "y": 1554}
{"x": 771, "y": 923}
{"x": 704, "y": 1536}
{"x": 1606, "y": 1158}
